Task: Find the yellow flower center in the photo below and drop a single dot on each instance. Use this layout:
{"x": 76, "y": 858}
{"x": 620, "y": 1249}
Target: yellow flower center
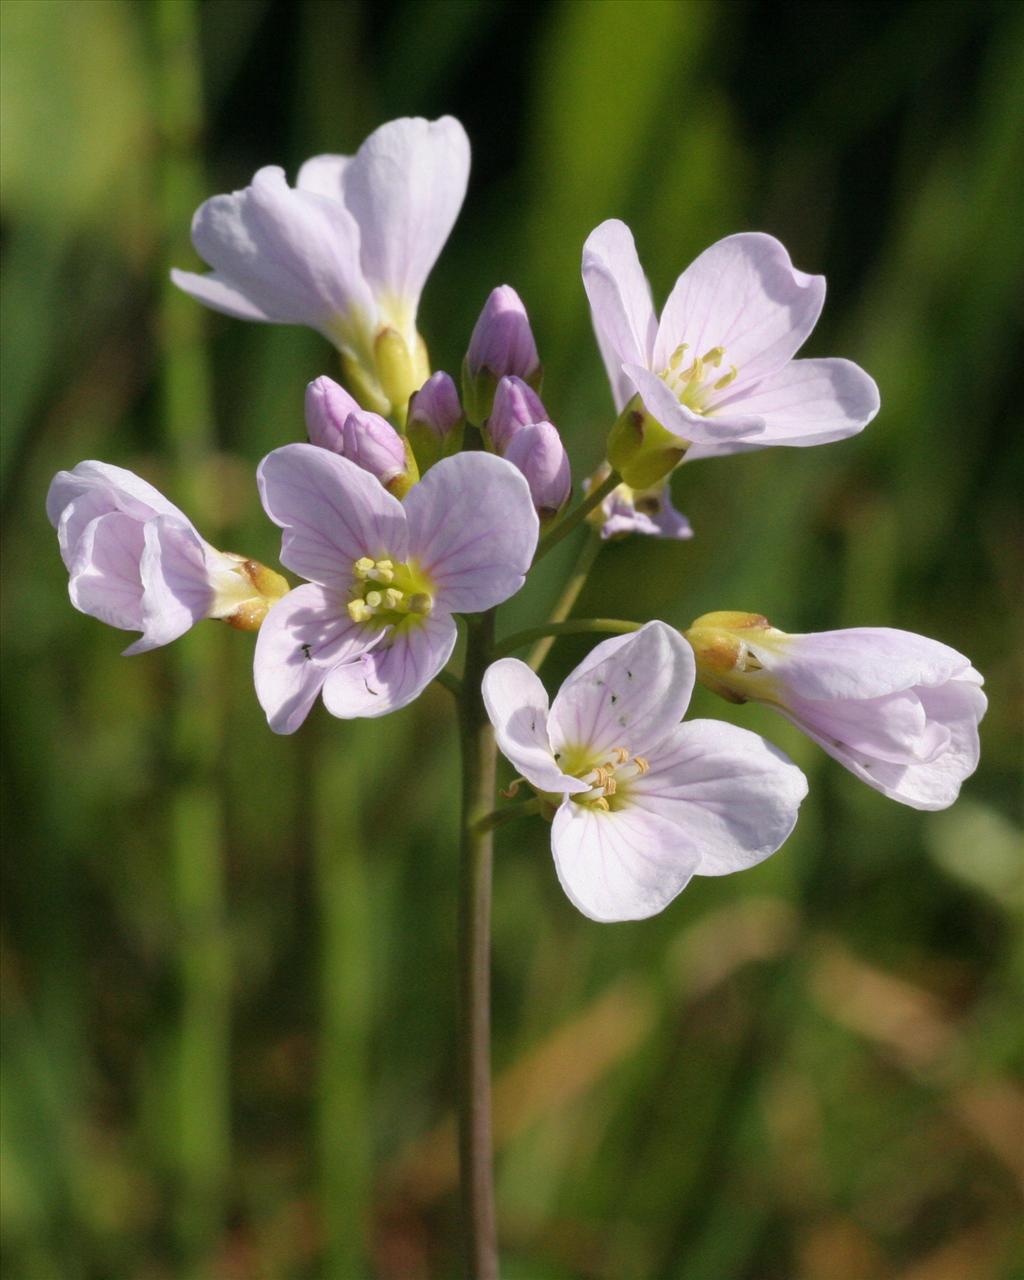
{"x": 693, "y": 384}
{"x": 609, "y": 779}
{"x": 389, "y": 592}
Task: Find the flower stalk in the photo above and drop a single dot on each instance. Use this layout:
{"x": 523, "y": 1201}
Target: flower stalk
{"x": 579, "y": 513}
{"x": 574, "y": 627}
{"x": 479, "y": 761}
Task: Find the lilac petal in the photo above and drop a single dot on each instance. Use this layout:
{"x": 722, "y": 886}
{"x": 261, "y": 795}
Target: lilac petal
{"x": 623, "y": 865}
{"x": 732, "y": 793}
{"x": 327, "y": 405}
{"x": 805, "y": 403}
{"x": 473, "y": 529}
{"x": 516, "y": 405}
{"x": 538, "y": 452}
{"x": 332, "y": 513}
{"x": 857, "y": 662}
{"x": 629, "y": 693}
{"x": 745, "y": 295}
{"x": 211, "y": 289}
{"x": 661, "y": 403}
{"x": 303, "y": 637}
{"x": 502, "y": 341}
{"x": 892, "y": 727}
{"x": 104, "y": 574}
{"x": 124, "y": 489}
{"x": 517, "y": 705}
{"x": 405, "y": 187}
{"x": 293, "y": 255}
{"x": 323, "y": 175}
{"x": 650, "y": 512}
{"x": 393, "y": 673}
{"x": 935, "y": 784}
{"x": 175, "y": 583}
{"x": 620, "y": 304}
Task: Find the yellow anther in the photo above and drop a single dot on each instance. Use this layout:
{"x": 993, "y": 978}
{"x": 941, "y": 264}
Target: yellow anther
{"x": 677, "y": 357}
{"x": 727, "y": 378}
{"x": 394, "y": 599}
{"x": 602, "y": 803}
{"x": 610, "y": 786}
{"x": 621, "y": 755}
{"x": 642, "y": 764}
{"x": 363, "y": 566}
{"x": 374, "y": 599}
{"x": 695, "y": 373}
{"x": 385, "y": 566}
{"x": 358, "y": 611}
{"x": 714, "y": 356}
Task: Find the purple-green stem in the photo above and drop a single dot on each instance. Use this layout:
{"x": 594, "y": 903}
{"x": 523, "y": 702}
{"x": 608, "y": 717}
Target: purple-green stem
{"x": 479, "y": 768}
{"x": 562, "y": 528}
{"x": 588, "y": 554}
{"x": 575, "y": 626}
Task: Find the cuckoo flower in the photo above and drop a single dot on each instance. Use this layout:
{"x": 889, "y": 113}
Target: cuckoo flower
{"x": 716, "y": 374}
{"x": 436, "y": 422}
{"x": 136, "y": 561}
{"x": 501, "y": 345}
{"x": 373, "y": 624}
{"x": 347, "y": 251}
{"x": 334, "y": 421}
{"x": 519, "y": 429}
{"x": 900, "y": 711}
{"x": 644, "y": 802}
{"x": 645, "y": 511}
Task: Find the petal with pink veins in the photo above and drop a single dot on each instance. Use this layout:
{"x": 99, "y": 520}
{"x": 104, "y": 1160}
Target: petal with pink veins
{"x": 517, "y": 705}
{"x": 392, "y": 673}
{"x": 620, "y": 304}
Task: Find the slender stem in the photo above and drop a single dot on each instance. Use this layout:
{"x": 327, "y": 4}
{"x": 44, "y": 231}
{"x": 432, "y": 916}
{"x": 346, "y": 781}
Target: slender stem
{"x": 561, "y": 611}
{"x": 450, "y": 681}
{"x": 498, "y": 818}
{"x": 575, "y": 626}
{"x": 569, "y": 522}
{"x": 478, "y": 782}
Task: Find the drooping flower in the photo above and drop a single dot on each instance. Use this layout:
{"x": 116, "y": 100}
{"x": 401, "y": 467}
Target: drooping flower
{"x": 519, "y": 429}
{"x": 373, "y": 624}
{"x": 900, "y": 711}
{"x": 501, "y": 345}
{"x": 347, "y": 251}
{"x": 650, "y": 512}
{"x": 644, "y": 802}
{"x": 136, "y": 562}
{"x": 716, "y": 374}
{"x": 334, "y": 421}
{"x": 436, "y": 422}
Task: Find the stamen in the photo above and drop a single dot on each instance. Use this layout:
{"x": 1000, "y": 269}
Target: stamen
{"x": 362, "y": 567}
{"x": 602, "y": 803}
{"x": 727, "y": 378}
{"x": 394, "y": 600}
{"x": 374, "y": 599}
{"x": 621, "y": 755}
{"x": 677, "y": 357}
{"x": 512, "y": 790}
{"x": 714, "y": 356}
{"x": 642, "y": 764}
{"x": 420, "y": 603}
{"x": 358, "y": 611}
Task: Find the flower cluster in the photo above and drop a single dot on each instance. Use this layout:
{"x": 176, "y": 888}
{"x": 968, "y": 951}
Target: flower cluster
{"x": 419, "y": 499}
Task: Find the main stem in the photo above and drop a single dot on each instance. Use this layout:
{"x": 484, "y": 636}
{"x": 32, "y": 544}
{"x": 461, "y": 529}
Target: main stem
{"x": 478, "y": 783}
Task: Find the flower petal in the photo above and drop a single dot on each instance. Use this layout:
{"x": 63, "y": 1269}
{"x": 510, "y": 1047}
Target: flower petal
{"x": 125, "y": 490}
{"x": 661, "y": 403}
{"x": 292, "y": 255}
{"x": 405, "y": 188}
{"x": 323, "y": 175}
{"x": 807, "y": 402}
{"x": 473, "y": 529}
{"x": 648, "y": 511}
{"x": 517, "y": 705}
{"x": 623, "y": 865}
{"x": 393, "y": 673}
{"x": 630, "y": 692}
{"x": 620, "y": 304}
{"x": 732, "y": 793}
{"x": 332, "y": 513}
{"x": 175, "y": 584}
{"x": 211, "y": 289}
{"x": 104, "y": 574}
{"x": 745, "y": 295}
{"x": 306, "y": 634}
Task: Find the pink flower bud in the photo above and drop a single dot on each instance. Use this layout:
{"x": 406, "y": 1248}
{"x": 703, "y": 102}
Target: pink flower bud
{"x": 516, "y": 405}
{"x": 436, "y": 405}
{"x": 538, "y": 452}
{"x": 327, "y": 407}
{"x": 373, "y": 444}
{"x": 501, "y": 345}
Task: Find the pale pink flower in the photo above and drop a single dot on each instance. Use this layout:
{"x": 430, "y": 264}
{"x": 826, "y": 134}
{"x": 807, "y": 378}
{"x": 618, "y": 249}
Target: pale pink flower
{"x": 347, "y": 251}
{"x": 334, "y": 421}
{"x": 136, "y": 562}
{"x": 644, "y": 802}
{"x": 717, "y": 370}
{"x": 649, "y": 512}
{"x": 373, "y": 624}
{"x": 900, "y": 711}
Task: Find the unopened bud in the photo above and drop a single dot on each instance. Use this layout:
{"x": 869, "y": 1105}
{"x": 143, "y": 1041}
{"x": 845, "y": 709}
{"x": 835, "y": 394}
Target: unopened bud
{"x": 641, "y": 450}
{"x": 327, "y": 407}
{"x": 501, "y": 344}
{"x": 373, "y": 444}
{"x": 516, "y": 405}
{"x": 436, "y": 422}
{"x": 538, "y": 452}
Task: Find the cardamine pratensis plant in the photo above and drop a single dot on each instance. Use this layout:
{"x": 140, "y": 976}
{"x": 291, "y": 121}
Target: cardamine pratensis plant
{"x": 416, "y": 509}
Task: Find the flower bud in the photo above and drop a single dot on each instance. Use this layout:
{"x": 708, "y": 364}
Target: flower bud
{"x": 436, "y": 422}
{"x": 373, "y": 444}
{"x": 516, "y": 405}
{"x": 501, "y": 344}
{"x": 327, "y": 407}
{"x": 538, "y": 452}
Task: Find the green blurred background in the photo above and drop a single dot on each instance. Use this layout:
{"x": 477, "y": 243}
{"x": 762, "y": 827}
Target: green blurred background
{"x": 228, "y": 957}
